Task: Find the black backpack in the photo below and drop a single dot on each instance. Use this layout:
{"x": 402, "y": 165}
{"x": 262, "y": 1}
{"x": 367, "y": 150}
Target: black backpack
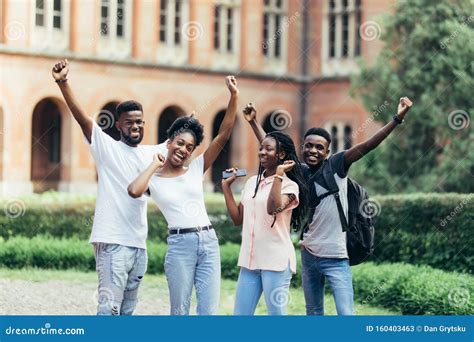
{"x": 360, "y": 228}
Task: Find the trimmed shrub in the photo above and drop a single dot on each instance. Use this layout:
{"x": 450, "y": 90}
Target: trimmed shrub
{"x": 431, "y": 229}
{"x": 412, "y": 290}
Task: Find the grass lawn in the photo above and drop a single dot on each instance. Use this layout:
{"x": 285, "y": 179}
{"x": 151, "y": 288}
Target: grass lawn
{"x": 75, "y": 289}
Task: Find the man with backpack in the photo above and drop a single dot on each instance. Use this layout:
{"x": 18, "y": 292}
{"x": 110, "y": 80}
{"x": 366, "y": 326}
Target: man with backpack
{"x": 338, "y": 233}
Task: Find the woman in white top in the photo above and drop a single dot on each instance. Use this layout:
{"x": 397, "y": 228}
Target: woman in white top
{"x": 193, "y": 256}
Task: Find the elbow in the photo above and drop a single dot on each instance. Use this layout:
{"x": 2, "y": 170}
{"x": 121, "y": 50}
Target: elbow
{"x": 133, "y": 192}
{"x": 237, "y": 221}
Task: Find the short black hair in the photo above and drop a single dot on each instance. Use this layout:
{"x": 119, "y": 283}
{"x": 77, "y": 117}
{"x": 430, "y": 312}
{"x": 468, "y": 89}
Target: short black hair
{"x": 127, "y": 106}
{"x": 186, "y": 124}
{"x": 319, "y": 131}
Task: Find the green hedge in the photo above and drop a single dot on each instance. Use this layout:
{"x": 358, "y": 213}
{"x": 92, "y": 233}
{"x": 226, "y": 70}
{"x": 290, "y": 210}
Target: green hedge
{"x": 68, "y": 216}
{"x": 431, "y": 229}
{"x": 411, "y": 228}
{"x": 413, "y": 290}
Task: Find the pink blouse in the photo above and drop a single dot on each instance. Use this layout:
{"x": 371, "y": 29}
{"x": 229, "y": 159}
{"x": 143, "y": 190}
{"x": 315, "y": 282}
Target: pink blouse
{"x": 263, "y": 247}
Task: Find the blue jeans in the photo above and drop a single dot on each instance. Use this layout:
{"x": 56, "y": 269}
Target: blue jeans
{"x": 338, "y": 273}
{"x": 274, "y": 285}
{"x": 120, "y": 270}
{"x": 193, "y": 259}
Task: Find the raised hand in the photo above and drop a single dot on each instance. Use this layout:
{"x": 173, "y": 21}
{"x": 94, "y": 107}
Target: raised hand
{"x": 231, "y": 83}
{"x": 158, "y": 161}
{"x": 404, "y": 106}
{"x": 285, "y": 167}
{"x": 250, "y": 112}
{"x": 60, "y": 70}
{"x": 232, "y": 178}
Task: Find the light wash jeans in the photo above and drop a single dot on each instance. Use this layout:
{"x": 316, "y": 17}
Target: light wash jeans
{"x": 120, "y": 270}
{"x": 339, "y": 275}
{"x": 193, "y": 259}
{"x": 274, "y": 285}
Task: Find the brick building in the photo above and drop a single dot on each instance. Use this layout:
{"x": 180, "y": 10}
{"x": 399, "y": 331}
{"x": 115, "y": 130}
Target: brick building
{"x": 292, "y": 59}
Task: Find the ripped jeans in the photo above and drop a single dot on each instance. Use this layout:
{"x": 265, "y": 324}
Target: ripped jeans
{"x": 120, "y": 270}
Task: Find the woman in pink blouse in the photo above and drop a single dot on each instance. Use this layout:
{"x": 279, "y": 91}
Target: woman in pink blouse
{"x": 268, "y": 207}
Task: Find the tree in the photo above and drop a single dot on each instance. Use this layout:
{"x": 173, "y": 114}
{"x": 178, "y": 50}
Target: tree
{"x": 427, "y": 56}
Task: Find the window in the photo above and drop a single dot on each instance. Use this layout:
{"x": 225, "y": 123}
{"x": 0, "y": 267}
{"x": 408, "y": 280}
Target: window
{"x": 57, "y": 14}
{"x": 273, "y": 30}
{"x": 174, "y": 27}
{"x": 341, "y": 136}
{"x": 50, "y": 25}
{"x": 163, "y": 19}
{"x": 341, "y": 38}
{"x": 48, "y": 14}
{"x": 115, "y": 28}
{"x": 224, "y": 26}
{"x": 113, "y": 18}
{"x": 171, "y": 21}
{"x": 39, "y": 14}
{"x": 344, "y": 20}
{"x": 120, "y": 18}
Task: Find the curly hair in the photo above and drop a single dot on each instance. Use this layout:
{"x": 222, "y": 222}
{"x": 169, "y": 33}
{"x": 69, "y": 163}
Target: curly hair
{"x": 319, "y": 131}
{"x": 127, "y": 106}
{"x": 284, "y": 143}
{"x": 186, "y": 124}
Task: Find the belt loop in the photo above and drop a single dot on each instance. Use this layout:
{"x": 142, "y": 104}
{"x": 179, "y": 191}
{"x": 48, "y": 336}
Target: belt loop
{"x": 199, "y": 229}
{"x": 177, "y": 232}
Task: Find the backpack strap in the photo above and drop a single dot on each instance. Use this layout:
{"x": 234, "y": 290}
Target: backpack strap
{"x": 328, "y": 176}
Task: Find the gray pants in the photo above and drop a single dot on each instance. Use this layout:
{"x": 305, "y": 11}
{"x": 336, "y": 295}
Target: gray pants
{"x": 120, "y": 270}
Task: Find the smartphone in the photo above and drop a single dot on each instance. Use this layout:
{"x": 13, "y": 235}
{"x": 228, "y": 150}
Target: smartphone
{"x": 240, "y": 173}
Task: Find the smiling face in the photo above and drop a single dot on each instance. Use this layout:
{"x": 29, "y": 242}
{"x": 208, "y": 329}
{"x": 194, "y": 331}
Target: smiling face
{"x": 130, "y": 125}
{"x": 268, "y": 153}
{"x": 315, "y": 149}
{"x": 180, "y": 148}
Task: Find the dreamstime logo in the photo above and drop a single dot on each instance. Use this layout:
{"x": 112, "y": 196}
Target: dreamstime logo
{"x": 106, "y": 119}
{"x": 458, "y": 297}
{"x": 192, "y": 30}
{"x": 14, "y": 30}
{"x": 370, "y": 30}
{"x": 462, "y": 27}
{"x": 370, "y": 208}
{"x": 458, "y": 119}
{"x": 192, "y": 208}
{"x": 375, "y": 113}
{"x": 280, "y": 120}
{"x": 105, "y": 298}
{"x": 14, "y": 208}
{"x": 280, "y": 297}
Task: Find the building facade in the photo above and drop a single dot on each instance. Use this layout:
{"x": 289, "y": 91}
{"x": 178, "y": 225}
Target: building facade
{"x": 292, "y": 59}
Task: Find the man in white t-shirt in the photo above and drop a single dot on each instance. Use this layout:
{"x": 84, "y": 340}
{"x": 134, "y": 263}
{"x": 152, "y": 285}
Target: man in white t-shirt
{"x": 120, "y": 222}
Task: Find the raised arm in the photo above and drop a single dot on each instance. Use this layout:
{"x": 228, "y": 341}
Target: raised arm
{"x": 140, "y": 185}
{"x": 226, "y": 127}
{"x": 277, "y": 201}
{"x": 236, "y": 212}
{"x": 60, "y": 72}
{"x": 358, "y": 151}
{"x": 250, "y": 114}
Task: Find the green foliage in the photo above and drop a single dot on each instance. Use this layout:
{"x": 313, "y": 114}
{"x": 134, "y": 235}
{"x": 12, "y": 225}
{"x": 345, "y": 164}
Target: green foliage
{"x": 431, "y": 229}
{"x": 414, "y": 290}
{"x": 427, "y": 56}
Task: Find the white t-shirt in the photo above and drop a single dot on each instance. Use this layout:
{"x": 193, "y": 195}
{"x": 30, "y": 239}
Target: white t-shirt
{"x": 119, "y": 218}
{"x": 181, "y": 198}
